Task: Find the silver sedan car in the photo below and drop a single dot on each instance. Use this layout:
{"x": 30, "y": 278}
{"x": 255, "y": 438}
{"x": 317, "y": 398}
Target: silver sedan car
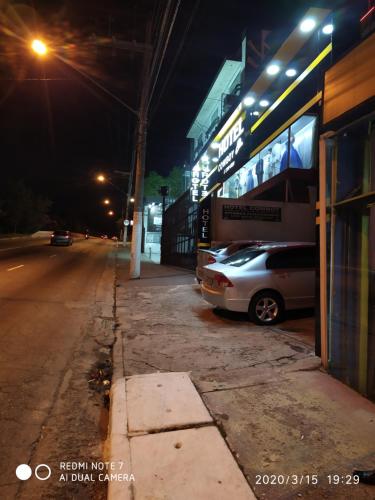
{"x": 263, "y": 281}
{"x": 221, "y": 252}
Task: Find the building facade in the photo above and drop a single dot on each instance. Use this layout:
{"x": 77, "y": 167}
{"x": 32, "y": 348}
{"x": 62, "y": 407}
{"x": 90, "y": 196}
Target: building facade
{"x": 298, "y": 137}
{"x": 347, "y": 219}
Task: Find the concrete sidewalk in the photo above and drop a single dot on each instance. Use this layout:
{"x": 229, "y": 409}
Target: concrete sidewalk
{"x": 289, "y": 425}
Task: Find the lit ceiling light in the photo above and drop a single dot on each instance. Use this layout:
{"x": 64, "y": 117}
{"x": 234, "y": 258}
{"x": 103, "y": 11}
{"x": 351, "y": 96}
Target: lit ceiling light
{"x": 273, "y": 69}
{"x": 264, "y": 103}
{"x": 249, "y": 101}
{"x": 307, "y": 25}
{"x": 215, "y": 145}
{"x": 255, "y": 113}
{"x": 328, "y": 29}
{"x": 205, "y": 158}
{"x": 291, "y": 72}
{"x": 215, "y": 159}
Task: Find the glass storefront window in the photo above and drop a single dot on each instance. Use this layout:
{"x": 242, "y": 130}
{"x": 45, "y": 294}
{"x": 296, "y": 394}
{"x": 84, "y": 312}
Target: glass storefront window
{"x": 351, "y": 281}
{"x": 272, "y": 158}
{"x": 353, "y": 163}
{"x": 301, "y": 142}
{"x": 293, "y": 148}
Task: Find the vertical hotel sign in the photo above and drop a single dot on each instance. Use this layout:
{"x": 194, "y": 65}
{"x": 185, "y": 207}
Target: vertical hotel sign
{"x": 204, "y": 223}
{"x": 199, "y": 179}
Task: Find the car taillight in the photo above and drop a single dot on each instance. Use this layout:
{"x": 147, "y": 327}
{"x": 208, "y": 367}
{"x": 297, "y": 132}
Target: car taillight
{"x": 222, "y": 280}
{"x": 211, "y": 260}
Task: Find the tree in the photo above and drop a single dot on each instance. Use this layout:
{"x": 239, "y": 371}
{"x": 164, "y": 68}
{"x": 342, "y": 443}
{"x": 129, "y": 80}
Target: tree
{"x": 153, "y": 182}
{"x": 22, "y": 210}
{"x": 175, "y": 182}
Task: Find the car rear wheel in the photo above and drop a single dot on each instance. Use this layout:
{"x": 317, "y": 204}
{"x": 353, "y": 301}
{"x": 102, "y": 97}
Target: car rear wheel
{"x": 266, "y": 308}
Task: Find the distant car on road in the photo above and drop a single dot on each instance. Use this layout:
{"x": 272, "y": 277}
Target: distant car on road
{"x": 220, "y": 252}
{"x": 263, "y": 281}
{"x": 61, "y": 238}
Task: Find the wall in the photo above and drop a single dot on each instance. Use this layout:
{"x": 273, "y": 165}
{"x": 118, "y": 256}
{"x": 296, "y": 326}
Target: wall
{"x": 297, "y": 222}
{"x": 350, "y": 81}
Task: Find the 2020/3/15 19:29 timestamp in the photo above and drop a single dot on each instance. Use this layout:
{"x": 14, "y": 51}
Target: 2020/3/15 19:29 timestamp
{"x": 336, "y": 479}
{"x": 306, "y": 479}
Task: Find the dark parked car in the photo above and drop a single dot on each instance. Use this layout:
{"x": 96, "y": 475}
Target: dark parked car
{"x": 61, "y": 238}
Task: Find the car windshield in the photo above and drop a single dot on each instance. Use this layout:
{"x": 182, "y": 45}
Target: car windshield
{"x": 61, "y": 233}
{"x": 219, "y": 247}
{"x": 242, "y": 257}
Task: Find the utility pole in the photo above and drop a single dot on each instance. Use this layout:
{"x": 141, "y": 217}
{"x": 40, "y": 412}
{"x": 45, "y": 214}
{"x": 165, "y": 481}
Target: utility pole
{"x": 151, "y": 69}
{"x": 127, "y": 202}
{"x": 140, "y": 154}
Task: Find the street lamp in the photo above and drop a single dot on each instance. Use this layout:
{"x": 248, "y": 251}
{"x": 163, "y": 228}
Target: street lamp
{"x": 39, "y": 47}
{"x": 111, "y": 212}
{"x": 106, "y": 202}
{"x": 100, "y": 178}
{"x": 131, "y": 200}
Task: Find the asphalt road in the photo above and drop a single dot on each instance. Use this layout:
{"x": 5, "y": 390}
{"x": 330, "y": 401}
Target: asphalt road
{"x": 49, "y": 297}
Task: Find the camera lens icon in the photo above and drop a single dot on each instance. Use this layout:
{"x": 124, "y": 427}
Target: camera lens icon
{"x": 42, "y": 472}
{"x": 24, "y": 472}
{"x": 42, "y": 476}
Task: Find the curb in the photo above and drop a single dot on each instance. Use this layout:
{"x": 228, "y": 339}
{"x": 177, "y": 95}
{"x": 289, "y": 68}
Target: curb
{"x": 118, "y": 445}
{"x": 117, "y": 448}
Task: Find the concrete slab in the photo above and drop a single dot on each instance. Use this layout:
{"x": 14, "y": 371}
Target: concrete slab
{"x": 117, "y": 447}
{"x": 160, "y": 401}
{"x": 187, "y": 464}
{"x": 305, "y": 423}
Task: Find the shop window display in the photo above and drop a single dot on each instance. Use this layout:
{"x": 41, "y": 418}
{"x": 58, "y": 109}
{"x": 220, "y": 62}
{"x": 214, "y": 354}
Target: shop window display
{"x": 293, "y": 148}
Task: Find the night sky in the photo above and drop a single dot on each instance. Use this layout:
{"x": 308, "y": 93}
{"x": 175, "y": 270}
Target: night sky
{"x": 58, "y": 130}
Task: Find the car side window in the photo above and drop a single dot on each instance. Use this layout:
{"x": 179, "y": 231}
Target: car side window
{"x": 293, "y": 258}
{"x": 242, "y": 257}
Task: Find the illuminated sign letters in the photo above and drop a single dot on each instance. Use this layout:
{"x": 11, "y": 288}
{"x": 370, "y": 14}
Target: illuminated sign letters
{"x": 204, "y": 230}
{"x": 230, "y": 145}
{"x": 199, "y": 180}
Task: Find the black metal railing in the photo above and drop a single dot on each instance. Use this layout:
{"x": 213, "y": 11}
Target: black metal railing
{"x": 179, "y": 234}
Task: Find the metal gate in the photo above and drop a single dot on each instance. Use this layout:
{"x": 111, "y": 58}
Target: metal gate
{"x": 179, "y": 233}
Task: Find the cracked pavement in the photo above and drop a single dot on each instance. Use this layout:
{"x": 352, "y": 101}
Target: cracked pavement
{"x": 280, "y": 413}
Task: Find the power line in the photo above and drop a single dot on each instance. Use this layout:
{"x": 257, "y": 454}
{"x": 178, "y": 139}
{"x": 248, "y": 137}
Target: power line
{"x": 97, "y": 84}
{"x": 177, "y": 55}
{"x": 160, "y": 40}
{"x": 164, "y": 50}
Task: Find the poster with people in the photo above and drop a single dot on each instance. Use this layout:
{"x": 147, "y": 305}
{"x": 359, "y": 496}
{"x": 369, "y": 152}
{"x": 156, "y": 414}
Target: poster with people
{"x": 293, "y": 148}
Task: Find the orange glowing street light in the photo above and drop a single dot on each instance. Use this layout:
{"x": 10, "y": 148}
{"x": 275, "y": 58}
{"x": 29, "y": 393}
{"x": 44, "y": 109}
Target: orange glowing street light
{"x": 111, "y": 212}
{"x": 100, "y": 178}
{"x": 106, "y": 202}
{"x": 39, "y": 47}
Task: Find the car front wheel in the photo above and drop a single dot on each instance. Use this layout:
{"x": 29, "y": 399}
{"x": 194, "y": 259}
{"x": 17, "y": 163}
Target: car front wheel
{"x": 266, "y": 308}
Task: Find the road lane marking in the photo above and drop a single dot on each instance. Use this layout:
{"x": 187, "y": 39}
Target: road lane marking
{"x": 15, "y": 248}
{"x": 17, "y": 267}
